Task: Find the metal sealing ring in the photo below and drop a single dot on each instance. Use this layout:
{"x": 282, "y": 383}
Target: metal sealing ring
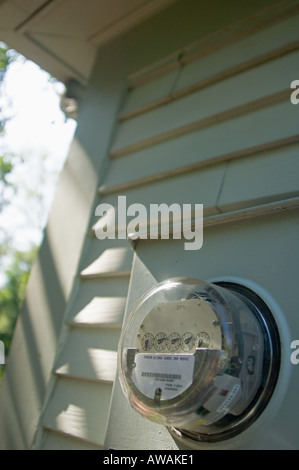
{"x": 230, "y": 426}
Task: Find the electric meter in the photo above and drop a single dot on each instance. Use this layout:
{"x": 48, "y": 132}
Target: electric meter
{"x": 199, "y": 358}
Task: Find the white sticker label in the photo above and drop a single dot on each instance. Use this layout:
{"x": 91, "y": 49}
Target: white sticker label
{"x": 163, "y": 376}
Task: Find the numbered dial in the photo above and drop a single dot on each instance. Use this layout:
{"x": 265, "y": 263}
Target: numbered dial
{"x": 160, "y": 341}
{"x": 188, "y": 341}
{"x": 174, "y": 342}
{"x": 203, "y": 340}
{"x": 147, "y": 342}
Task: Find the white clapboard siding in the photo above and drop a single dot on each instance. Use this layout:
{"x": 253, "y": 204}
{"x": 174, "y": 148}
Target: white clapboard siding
{"x": 269, "y": 126}
{"x": 112, "y": 262}
{"x": 264, "y": 178}
{"x": 210, "y": 124}
{"x": 80, "y": 409}
{"x": 200, "y": 187}
{"x": 226, "y": 135}
{"x": 97, "y": 365}
{"x": 214, "y": 59}
{"x": 194, "y": 109}
{"x": 260, "y": 47}
{"x": 150, "y": 92}
{"x": 89, "y": 354}
{"x": 270, "y": 173}
{"x": 109, "y": 292}
{"x": 85, "y": 369}
{"x": 104, "y": 312}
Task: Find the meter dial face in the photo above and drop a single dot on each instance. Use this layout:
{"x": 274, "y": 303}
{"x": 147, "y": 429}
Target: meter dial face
{"x": 160, "y": 341}
{"x": 188, "y": 341}
{"x": 147, "y": 342}
{"x": 179, "y": 327}
{"x": 202, "y": 340}
{"x": 174, "y": 342}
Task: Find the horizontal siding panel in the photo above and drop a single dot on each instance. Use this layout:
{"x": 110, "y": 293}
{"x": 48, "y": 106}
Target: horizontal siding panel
{"x": 101, "y": 311}
{"x": 199, "y": 187}
{"x": 89, "y": 354}
{"x": 258, "y": 127}
{"x": 211, "y": 79}
{"x": 149, "y": 92}
{"x": 209, "y": 70}
{"x": 243, "y": 89}
{"x": 262, "y": 210}
{"x": 261, "y": 179}
{"x": 112, "y": 262}
{"x": 264, "y": 20}
{"x": 263, "y": 250}
{"x": 79, "y": 409}
{"x": 54, "y": 440}
{"x": 104, "y": 364}
{"x": 192, "y": 167}
{"x": 209, "y": 120}
{"x": 107, "y": 288}
{"x": 262, "y": 45}
{"x": 234, "y": 216}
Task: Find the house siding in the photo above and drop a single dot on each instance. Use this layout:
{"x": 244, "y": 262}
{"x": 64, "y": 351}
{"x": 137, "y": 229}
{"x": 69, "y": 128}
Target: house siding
{"x": 224, "y": 134}
{"x": 31, "y": 378}
{"x": 199, "y": 113}
{"x": 212, "y": 124}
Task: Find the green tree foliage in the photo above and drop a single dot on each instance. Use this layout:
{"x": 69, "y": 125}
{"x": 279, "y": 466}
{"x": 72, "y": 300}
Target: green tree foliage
{"x": 12, "y": 295}
{"x": 12, "y": 291}
{"x": 5, "y": 59}
{"x": 7, "y": 56}
{"x": 5, "y": 168}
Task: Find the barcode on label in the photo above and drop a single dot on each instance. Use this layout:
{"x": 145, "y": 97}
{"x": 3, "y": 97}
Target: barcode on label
{"x": 172, "y": 373}
{"x": 158, "y": 375}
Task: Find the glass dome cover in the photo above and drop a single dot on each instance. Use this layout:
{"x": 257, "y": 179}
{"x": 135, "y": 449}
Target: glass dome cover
{"x": 195, "y": 357}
